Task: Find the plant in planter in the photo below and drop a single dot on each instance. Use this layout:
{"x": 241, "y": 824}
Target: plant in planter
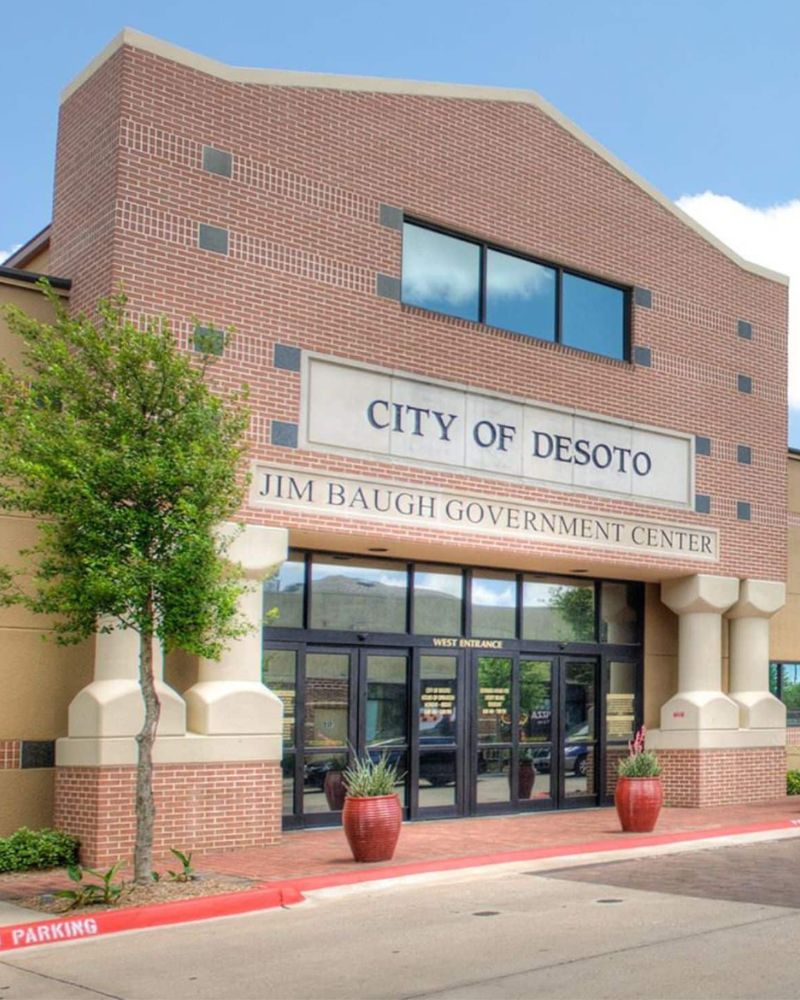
{"x": 333, "y": 784}
{"x": 526, "y": 774}
{"x": 638, "y": 795}
{"x": 372, "y": 814}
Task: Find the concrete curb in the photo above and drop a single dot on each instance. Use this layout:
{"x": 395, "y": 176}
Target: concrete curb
{"x": 14, "y": 937}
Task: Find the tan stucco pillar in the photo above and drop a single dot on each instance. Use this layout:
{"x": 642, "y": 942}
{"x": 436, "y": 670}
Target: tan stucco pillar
{"x": 699, "y": 601}
{"x": 229, "y": 697}
{"x": 749, "y": 654}
{"x": 112, "y": 704}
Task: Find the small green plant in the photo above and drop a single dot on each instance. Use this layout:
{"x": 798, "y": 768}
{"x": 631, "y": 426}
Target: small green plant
{"x": 187, "y": 873}
{"x": 366, "y": 777}
{"x": 793, "y": 782}
{"x": 639, "y": 763}
{"x": 27, "y": 849}
{"x": 107, "y": 891}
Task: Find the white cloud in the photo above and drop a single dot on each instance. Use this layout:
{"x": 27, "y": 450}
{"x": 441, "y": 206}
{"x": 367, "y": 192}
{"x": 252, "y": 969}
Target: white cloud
{"x": 5, "y": 254}
{"x": 766, "y": 236}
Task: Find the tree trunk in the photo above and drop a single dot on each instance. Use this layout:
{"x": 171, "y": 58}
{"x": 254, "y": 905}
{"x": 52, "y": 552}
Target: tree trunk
{"x": 145, "y": 804}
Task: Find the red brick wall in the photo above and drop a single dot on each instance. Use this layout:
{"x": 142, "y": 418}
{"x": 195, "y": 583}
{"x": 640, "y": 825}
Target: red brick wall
{"x": 199, "y": 807}
{"x": 309, "y": 172}
{"x": 9, "y": 754}
{"x": 698, "y": 778}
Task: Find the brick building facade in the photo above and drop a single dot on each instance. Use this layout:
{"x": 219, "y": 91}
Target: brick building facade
{"x": 286, "y": 207}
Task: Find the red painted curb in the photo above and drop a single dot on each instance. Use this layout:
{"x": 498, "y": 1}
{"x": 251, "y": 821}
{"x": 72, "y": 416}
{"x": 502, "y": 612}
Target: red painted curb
{"x": 77, "y": 927}
{"x": 289, "y": 891}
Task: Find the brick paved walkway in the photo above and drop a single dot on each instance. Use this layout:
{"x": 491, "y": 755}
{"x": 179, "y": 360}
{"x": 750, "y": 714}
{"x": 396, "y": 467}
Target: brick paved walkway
{"x": 320, "y": 852}
{"x": 751, "y": 873}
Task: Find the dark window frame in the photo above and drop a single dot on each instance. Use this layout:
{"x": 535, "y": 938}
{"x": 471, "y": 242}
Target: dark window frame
{"x": 779, "y": 665}
{"x": 560, "y": 270}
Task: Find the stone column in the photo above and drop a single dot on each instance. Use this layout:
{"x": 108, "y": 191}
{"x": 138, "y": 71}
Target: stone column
{"x": 749, "y": 654}
{"x": 229, "y": 697}
{"x": 700, "y": 601}
{"x": 112, "y": 706}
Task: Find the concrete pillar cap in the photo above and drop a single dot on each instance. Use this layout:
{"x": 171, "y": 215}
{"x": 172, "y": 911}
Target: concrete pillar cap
{"x": 700, "y": 593}
{"x": 758, "y": 599}
{"x": 255, "y": 547}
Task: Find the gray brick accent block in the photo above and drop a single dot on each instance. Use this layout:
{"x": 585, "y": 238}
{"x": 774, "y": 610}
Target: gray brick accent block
{"x": 387, "y": 287}
{"x": 287, "y": 358}
{"x": 702, "y": 503}
{"x": 284, "y": 435}
{"x": 744, "y": 383}
{"x": 217, "y": 161}
{"x": 208, "y": 340}
{"x": 643, "y": 356}
{"x": 643, "y": 297}
{"x": 702, "y": 445}
{"x": 213, "y": 238}
{"x": 391, "y": 217}
{"x": 743, "y": 510}
{"x": 744, "y": 329}
{"x": 744, "y": 454}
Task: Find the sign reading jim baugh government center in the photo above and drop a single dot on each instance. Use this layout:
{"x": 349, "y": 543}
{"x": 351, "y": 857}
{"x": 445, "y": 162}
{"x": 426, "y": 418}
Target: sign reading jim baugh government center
{"x": 359, "y": 410}
{"x": 374, "y": 499}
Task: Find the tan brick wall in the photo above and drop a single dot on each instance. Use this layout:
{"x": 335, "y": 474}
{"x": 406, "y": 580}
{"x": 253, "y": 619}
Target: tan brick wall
{"x": 198, "y": 807}
{"x": 699, "y": 778}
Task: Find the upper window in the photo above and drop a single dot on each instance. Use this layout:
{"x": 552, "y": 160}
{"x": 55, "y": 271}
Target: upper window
{"x": 784, "y": 683}
{"x": 470, "y": 280}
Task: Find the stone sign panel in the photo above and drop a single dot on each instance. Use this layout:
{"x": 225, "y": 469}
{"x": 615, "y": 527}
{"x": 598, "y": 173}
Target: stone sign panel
{"x": 368, "y": 412}
{"x": 378, "y": 500}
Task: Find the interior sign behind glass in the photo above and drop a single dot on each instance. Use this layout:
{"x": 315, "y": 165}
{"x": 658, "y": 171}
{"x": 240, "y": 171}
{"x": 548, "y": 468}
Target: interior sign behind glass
{"x": 402, "y": 418}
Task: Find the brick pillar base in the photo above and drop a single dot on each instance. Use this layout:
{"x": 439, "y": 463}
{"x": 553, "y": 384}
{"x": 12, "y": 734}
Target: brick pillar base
{"x": 203, "y": 807}
{"x": 698, "y": 778}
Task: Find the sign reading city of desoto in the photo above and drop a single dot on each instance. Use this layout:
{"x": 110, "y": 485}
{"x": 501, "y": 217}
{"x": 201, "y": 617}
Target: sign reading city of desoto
{"x": 365, "y": 412}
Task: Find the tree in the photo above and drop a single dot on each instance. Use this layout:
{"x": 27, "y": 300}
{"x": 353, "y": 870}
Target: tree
{"x": 113, "y": 441}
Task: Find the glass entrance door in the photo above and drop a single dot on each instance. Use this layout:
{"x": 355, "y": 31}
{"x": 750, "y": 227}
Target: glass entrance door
{"x": 525, "y": 708}
{"x": 438, "y": 772}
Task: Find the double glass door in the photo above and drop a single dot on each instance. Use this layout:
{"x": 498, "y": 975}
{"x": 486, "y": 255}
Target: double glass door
{"x": 535, "y": 732}
{"x": 471, "y": 732}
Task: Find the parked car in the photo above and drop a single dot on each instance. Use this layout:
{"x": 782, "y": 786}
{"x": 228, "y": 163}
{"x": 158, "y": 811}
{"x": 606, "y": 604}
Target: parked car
{"x": 577, "y": 747}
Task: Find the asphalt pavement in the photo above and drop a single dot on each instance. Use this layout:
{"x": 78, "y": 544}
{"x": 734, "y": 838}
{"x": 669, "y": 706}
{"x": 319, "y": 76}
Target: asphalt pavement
{"x": 670, "y": 925}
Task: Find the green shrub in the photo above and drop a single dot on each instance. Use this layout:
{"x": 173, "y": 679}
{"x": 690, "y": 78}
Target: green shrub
{"x": 27, "y": 849}
{"x": 367, "y": 777}
{"x": 793, "y": 782}
{"x": 640, "y": 765}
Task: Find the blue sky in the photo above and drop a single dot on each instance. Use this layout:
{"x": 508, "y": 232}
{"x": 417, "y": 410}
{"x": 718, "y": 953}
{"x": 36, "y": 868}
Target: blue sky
{"x": 698, "y": 96}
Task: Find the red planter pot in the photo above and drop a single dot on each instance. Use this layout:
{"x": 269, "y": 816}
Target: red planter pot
{"x": 638, "y": 802}
{"x": 372, "y": 826}
{"x": 335, "y": 790}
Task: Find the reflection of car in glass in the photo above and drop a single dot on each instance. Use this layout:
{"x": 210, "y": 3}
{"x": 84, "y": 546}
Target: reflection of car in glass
{"x": 577, "y": 747}
{"x": 436, "y": 767}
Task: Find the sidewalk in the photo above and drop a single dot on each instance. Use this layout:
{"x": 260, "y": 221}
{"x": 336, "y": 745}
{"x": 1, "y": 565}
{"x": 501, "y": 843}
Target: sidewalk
{"x": 318, "y": 857}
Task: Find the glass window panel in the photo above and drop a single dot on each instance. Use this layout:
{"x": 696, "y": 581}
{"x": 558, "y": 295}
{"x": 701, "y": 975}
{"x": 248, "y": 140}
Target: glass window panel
{"x": 494, "y": 605}
{"x": 323, "y": 782}
{"x": 520, "y": 295}
{"x": 619, "y": 612}
{"x": 558, "y": 611}
{"x": 441, "y": 272}
{"x": 438, "y": 595}
{"x": 283, "y": 594}
{"x": 580, "y": 772}
{"x": 280, "y": 676}
{"x": 437, "y": 701}
{"x": 621, "y": 702}
{"x": 592, "y": 316}
{"x": 535, "y": 701}
{"x": 773, "y": 678}
{"x": 494, "y": 775}
{"x": 437, "y": 779}
{"x": 365, "y": 595}
{"x": 327, "y": 699}
{"x": 494, "y": 699}
{"x": 287, "y": 776}
{"x": 387, "y": 700}
{"x": 542, "y": 755}
{"x": 790, "y": 692}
